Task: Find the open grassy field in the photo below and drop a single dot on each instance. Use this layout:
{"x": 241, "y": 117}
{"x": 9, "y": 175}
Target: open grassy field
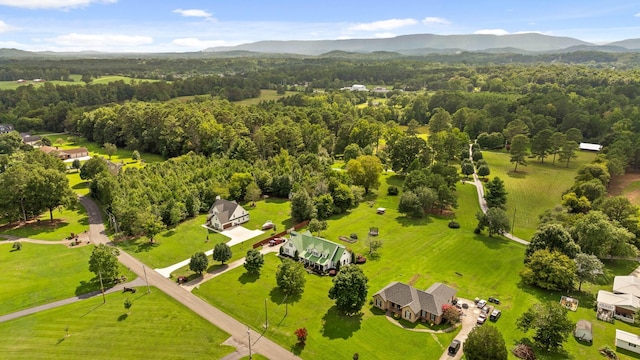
{"x": 265, "y": 95}
{"x": 40, "y": 274}
{"x": 12, "y": 85}
{"x": 155, "y": 327}
{"x": 122, "y": 155}
{"x": 416, "y": 251}
{"x": 64, "y": 223}
{"x": 534, "y": 188}
{"x": 627, "y": 185}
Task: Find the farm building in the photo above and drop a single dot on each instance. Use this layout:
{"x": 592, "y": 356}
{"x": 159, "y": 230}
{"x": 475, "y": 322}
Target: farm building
{"x": 628, "y": 341}
{"x": 590, "y": 147}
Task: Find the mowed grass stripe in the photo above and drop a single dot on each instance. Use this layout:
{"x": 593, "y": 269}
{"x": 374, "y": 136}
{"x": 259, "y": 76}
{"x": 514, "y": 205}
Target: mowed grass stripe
{"x": 156, "y": 326}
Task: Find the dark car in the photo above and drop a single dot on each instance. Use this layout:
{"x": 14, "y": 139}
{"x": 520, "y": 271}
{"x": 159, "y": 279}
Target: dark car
{"x": 182, "y": 279}
{"x": 494, "y": 300}
{"x": 276, "y": 241}
{"x": 495, "y": 315}
{"x": 465, "y": 305}
{"x": 454, "y": 347}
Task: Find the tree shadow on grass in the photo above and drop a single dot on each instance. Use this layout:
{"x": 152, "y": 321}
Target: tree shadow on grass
{"x": 517, "y": 174}
{"x": 216, "y": 268}
{"x": 410, "y": 221}
{"x": 248, "y": 277}
{"x": 278, "y": 297}
{"x": 494, "y": 243}
{"x": 169, "y": 233}
{"x": 627, "y": 353}
{"x": 336, "y": 325}
{"x": 297, "y": 348}
{"x": 123, "y": 317}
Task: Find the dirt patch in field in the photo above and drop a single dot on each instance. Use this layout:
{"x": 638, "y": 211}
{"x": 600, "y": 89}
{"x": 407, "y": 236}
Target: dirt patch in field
{"x": 618, "y": 185}
{"x": 414, "y": 278}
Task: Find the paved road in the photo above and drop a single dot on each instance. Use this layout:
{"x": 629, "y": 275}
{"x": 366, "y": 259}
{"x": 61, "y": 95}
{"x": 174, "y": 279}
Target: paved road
{"x": 237, "y": 330}
{"x": 483, "y": 202}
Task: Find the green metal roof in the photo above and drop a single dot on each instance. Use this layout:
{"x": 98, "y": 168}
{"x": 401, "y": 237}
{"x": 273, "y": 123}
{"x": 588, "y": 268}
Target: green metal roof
{"x": 316, "y": 249}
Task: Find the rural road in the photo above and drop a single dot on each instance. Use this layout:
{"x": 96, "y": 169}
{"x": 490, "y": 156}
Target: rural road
{"x": 237, "y": 330}
{"x": 483, "y": 202}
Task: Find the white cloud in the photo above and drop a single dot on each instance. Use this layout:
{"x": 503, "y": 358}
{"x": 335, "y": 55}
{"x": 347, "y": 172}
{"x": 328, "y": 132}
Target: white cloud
{"x": 384, "y": 35}
{"x": 492, "y": 32}
{"x": 51, "y": 4}
{"x": 4, "y": 27}
{"x": 435, "y": 21}
{"x": 90, "y": 41}
{"x": 384, "y": 24}
{"x": 637, "y": 15}
{"x": 193, "y": 13}
{"x": 197, "y": 43}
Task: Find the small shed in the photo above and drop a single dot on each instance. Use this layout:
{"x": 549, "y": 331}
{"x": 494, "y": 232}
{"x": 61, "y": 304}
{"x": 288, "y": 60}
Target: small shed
{"x": 583, "y": 331}
{"x": 590, "y": 147}
{"x": 628, "y": 341}
{"x": 381, "y": 210}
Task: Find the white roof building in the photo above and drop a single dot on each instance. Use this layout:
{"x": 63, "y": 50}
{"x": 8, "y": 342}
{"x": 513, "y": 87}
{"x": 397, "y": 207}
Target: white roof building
{"x": 628, "y": 341}
{"x": 627, "y": 285}
{"x": 590, "y": 147}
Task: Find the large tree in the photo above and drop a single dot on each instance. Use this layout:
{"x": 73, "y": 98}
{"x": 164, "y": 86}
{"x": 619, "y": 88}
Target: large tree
{"x": 550, "y": 322}
{"x": 104, "y": 262}
{"x": 349, "y": 289}
{"x": 110, "y": 149}
{"x": 496, "y": 194}
{"x": 568, "y": 151}
{"x": 620, "y": 209}
{"x": 222, "y": 252}
{"x": 52, "y": 189}
{"x": 302, "y": 207}
{"x": 588, "y": 268}
{"x": 552, "y": 237}
{"x": 549, "y": 270}
{"x": 365, "y": 171}
{"x": 599, "y": 236}
{"x": 485, "y": 343}
{"x": 92, "y": 167}
{"x": 290, "y": 277}
{"x": 252, "y": 193}
{"x": 440, "y": 121}
{"x": 541, "y": 145}
{"x": 253, "y": 261}
{"x": 405, "y": 151}
{"x": 515, "y": 128}
{"x": 495, "y": 220}
{"x": 198, "y": 262}
{"x": 519, "y": 150}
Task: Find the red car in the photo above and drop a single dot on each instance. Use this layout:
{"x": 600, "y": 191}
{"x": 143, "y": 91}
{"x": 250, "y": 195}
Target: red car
{"x": 276, "y": 241}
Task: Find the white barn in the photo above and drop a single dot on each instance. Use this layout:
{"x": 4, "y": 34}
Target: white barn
{"x": 590, "y": 147}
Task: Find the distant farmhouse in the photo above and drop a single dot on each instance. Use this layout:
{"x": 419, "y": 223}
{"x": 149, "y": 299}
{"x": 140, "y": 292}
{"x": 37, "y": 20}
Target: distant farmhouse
{"x": 412, "y": 304}
{"x": 30, "y": 139}
{"x": 67, "y": 154}
{"x": 316, "y": 252}
{"x": 355, "y": 87}
{"x": 225, "y": 214}
{"x": 590, "y": 147}
{"x": 5, "y": 128}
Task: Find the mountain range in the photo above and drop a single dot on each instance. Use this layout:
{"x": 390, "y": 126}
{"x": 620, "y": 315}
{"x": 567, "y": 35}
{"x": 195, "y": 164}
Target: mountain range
{"x": 419, "y": 44}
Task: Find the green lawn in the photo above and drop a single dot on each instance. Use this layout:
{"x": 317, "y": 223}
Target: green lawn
{"x": 12, "y": 85}
{"x": 64, "y": 223}
{"x": 155, "y": 327}
{"x": 122, "y": 155}
{"x": 417, "y": 251}
{"x": 265, "y": 95}
{"x": 533, "y": 188}
{"x": 79, "y": 186}
{"x": 39, "y": 274}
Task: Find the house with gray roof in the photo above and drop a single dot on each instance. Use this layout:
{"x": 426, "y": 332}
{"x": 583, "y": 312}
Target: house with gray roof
{"x": 316, "y": 252}
{"x": 225, "y": 214}
{"x": 412, "y": 304}
{"x": 5, "y": 128}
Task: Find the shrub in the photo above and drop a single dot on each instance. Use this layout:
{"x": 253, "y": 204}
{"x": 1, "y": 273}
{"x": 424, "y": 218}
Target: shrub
{"x": 354, "y": 236}
{"x": 17, "y": 245}
{"x": 302, "y": 335}
{"x": 392, "y": 190}
{"x": 524, "y": 351}
{"x": 454, "y": 224}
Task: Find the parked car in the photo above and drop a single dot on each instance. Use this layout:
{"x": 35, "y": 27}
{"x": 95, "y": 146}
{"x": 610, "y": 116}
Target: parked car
{"x": 182, "y": 279}
{"x": 481, "y": 304}
{"x": 465, "y": 305}
{"x": 454, "y": 347}
{"x": 487, "y": 309}
{"x": 276, "y": 241}
{"x": 475, "y": 301}
{"x": 495, "y": 315}
{"x": 494, "y": 300}
{"x": 481, "y": 319}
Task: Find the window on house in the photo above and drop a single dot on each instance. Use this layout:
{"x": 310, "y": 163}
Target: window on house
{"x": 632, "y": 345}
{"x": 407, "y": 314}
{"x": 379, "y": 302}
{"x": 433, "y": 317}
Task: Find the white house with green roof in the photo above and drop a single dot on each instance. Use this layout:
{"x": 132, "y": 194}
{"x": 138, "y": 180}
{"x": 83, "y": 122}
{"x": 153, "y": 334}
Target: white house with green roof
{"x": 319, "y": 253}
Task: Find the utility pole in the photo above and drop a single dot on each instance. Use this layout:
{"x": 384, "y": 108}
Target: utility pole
{"x": 104, "y": 300}
{"x": 266, "y": 316}
{"x": 249, "y": 334}
{"x": 145, "y": 279}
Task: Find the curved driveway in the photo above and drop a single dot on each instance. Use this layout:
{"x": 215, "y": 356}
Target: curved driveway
{"x": 236, "y": 329}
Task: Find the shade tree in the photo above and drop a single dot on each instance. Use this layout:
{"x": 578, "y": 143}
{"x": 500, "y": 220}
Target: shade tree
{"x": 349, "y": 289}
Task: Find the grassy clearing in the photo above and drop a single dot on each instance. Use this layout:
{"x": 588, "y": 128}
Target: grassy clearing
{"x": 40, "y": 274}
{"x": 79, "y": 186}
{"x": 416, "y": 251}
{"x": 122, "y": 155}
{"x": 265, "y": 95}
{"x": 12, "y": 85}
{"x": 534, "y": 188}
{"x": 64, "y": 223}
{"x": 156, "y": 327}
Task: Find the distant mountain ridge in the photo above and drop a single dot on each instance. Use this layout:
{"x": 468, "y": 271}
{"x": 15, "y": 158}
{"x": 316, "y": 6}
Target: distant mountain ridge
{"x": 525, "y": 43}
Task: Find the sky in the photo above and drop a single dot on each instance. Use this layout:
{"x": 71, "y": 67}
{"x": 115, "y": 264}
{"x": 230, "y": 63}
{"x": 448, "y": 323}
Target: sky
{"x": 193, "y": 25}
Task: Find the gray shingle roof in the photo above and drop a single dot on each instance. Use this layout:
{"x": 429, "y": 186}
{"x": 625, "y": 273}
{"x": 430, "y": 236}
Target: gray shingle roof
{"x": 430, "y": 300}
{"x": 224, "y": 209}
